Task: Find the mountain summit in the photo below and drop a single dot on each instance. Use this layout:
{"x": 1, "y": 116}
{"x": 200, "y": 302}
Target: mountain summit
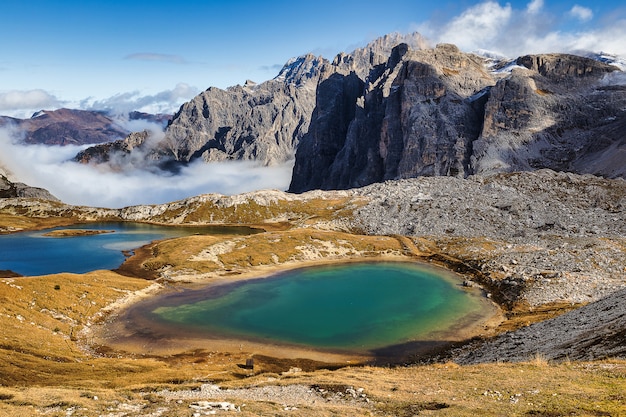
{"x": 444, "y": 112}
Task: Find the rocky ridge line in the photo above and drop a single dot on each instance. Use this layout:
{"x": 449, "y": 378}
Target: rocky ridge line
{"x": 441, "y": 112}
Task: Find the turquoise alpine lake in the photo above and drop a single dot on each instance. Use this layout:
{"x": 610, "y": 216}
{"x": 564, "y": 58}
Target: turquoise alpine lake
{"x": 354, "y": 306}
{"x": 32, "y": 253}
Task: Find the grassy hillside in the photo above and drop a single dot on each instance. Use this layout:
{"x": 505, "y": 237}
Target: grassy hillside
{"x": 45, "y": 369}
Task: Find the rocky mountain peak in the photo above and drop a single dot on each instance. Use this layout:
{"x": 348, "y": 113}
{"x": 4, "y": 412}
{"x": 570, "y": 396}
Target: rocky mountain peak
{"x": 440, "y": 111}
{"x": 362, "y": 60}
{"x": 262, "y": 122}
{"x": 300, "y": 70}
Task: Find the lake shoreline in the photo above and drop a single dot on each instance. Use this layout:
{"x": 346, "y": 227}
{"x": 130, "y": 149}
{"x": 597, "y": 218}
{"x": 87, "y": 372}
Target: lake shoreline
{"x": 122, "y": 333}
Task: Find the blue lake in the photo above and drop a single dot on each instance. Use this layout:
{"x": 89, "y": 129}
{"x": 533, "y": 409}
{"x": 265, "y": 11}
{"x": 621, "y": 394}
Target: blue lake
{"x": 32, "y": 253}
{"x": 356, "y": 307}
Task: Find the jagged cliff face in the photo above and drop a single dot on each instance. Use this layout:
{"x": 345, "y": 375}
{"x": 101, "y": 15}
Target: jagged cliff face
{"x": 265, "y": 122}
{"x": 415, "y": 116}
{"x": 261, "y": 122}
{"x": 442, "y": 112}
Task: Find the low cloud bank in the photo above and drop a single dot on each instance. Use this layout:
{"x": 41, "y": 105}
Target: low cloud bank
{"x": 50, "y": 167}
{"x": 166, "y": 101}
{"x": 23, "y": 103}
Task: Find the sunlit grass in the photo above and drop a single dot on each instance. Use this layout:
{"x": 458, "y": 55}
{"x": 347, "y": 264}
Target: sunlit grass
{"x": 49, "y": 366}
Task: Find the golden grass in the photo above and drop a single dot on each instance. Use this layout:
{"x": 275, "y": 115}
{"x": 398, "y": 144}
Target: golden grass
{"x": 45, "y": 368}
{"x": 207, "y": 254}
{"x": 11, "y": 222}
{"x": 250, "y": 212}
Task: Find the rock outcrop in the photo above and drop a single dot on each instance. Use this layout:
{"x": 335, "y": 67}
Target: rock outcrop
{"x": 443, "y": 112}
{"x": 115, "y": 153}
{"x": 9, "y": 189}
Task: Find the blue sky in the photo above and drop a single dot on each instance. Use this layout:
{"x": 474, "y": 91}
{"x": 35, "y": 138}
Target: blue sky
{"x": 153, "y": 55}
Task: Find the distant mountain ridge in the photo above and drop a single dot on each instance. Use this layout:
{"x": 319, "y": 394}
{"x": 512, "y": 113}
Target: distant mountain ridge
{"x": 74, "y": 127}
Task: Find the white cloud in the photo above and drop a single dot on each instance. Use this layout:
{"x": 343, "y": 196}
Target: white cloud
{"x": 167, "y": 101}
{"x": 534, "y": 6}
{"x": 50, "y": 167}
{"x": 514, "y": 32}
{"x": 581, "y": 13}
{"x": 476, "y": 25}
{"x": 16, "y": 100}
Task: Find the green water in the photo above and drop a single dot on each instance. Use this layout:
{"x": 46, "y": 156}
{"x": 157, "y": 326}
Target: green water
{"x": 349, "y": 306}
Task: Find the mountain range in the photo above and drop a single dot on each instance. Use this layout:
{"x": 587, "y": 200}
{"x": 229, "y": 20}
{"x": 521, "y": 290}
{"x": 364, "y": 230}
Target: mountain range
{"x": 444, "y": 112}
{"x": 395, "y": 108}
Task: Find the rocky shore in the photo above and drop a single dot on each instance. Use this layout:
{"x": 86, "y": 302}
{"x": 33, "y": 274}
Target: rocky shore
{"x": 542, "y": 236}
{"x": 595, "y": 331}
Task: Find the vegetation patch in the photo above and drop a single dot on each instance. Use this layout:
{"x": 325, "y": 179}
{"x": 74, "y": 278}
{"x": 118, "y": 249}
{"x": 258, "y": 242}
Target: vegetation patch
{"x": 225, "y": 254}
{"x": 50, "y": 365}
{"x": 75, "y": 232}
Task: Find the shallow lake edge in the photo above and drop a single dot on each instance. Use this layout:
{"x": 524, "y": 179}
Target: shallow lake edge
{"x": 115, "y": 333}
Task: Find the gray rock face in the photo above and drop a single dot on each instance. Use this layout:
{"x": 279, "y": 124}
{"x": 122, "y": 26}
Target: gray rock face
{"x": 416, "y": 115}
{"x": 9, "y": 189}
{"x": 592, "y": 332}
{"x": 362, "y": 60}
{"x": 554, "y": 112}
{"x": 265, "y": 122}
{"x": 442, "y": 112}
{"x": 261, "y": 122}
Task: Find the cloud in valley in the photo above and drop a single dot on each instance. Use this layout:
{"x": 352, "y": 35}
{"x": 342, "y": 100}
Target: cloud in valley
{"x": 514, "y": 32}
{"x": 50, "y": 167}
{"x": 166, "y": 101}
